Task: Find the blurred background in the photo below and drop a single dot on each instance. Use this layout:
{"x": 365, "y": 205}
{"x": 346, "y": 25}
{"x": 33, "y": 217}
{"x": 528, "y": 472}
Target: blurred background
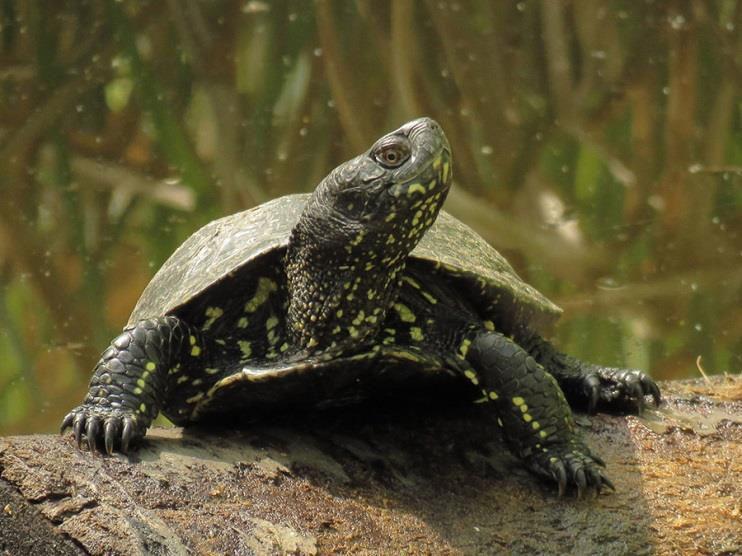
{"x": 598, "y": 144}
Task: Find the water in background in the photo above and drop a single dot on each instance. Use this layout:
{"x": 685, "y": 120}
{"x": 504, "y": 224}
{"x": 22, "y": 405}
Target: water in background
{"x": 597, "y": 144}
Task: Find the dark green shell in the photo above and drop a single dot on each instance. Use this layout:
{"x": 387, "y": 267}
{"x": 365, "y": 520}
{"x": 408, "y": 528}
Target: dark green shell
{"x": 227, "y": 244}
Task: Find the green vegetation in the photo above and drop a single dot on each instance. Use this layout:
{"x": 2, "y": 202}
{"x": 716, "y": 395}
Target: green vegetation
{"x": 598, "y": 144}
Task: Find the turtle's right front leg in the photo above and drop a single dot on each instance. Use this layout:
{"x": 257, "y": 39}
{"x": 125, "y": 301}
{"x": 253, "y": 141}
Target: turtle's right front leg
{"x": 130, "y": 383}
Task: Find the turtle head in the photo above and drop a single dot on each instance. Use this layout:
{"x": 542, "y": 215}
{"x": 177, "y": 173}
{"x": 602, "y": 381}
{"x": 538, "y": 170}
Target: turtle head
{"x": 404, "y": 173}
{"x": 349, "y": 247}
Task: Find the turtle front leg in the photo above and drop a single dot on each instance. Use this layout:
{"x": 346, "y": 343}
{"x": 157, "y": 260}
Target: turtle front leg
{"x": 130, "y": 383}
{"x": 532, "y": 411}
{"x": 591, "y": 386}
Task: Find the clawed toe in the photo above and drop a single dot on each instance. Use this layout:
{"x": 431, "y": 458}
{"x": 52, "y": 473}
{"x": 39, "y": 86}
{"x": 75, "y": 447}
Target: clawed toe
{"x": 102, "y": 429}
{"x": 573, "y": 469}
{"x": 621, "y": 389}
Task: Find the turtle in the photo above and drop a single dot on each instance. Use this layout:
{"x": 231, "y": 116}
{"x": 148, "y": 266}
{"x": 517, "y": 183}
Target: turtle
{"x": 362, "y": 287}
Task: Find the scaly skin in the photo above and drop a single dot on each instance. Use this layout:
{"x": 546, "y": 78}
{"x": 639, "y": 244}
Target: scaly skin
{"x": 130, "y": 383}
{"x": 533, "y": 413}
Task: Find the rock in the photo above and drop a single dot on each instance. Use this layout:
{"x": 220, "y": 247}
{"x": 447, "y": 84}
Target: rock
{"x": 383, "y": 480}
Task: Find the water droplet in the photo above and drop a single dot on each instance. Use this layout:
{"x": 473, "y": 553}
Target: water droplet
{"x": 698, "y": 327}
{"x": 487, "y": 150}
{"x": 677, "y": 21}
{"x": 608, "y": 283}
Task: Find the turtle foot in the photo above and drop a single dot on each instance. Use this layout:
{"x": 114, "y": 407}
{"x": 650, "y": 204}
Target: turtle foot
{"x": 572, "y": 467}
{"x": 621, "y": 390}
{"x": 104, "y": 429}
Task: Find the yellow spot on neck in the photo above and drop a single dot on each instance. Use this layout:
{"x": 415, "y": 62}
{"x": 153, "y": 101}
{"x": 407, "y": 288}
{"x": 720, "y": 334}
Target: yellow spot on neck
{"x": 517, "y": 400}
{"x": 359, "y": 318}
{"x": 416, "y": 334}
{"x": 415, "y": 188}
{"x": 150, "y": 366}
{"x": 195, "y": 351}
{"x": 493, "y": 395}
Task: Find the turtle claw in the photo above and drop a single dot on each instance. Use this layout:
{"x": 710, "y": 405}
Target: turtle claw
{"x": 619, "y": 389}
{"x": 104, "y": 429}
{"x": 126, "y": 435}
{"x": 572, "y": 467}
{"x": 559, "y": 474}
{"x": 66, "y": 422}
{"x": 77, "y": 427}
{"x": 91, "y": 432}
{"x": 592, "y": 387}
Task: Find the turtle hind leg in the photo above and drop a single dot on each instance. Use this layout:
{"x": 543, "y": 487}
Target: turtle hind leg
{"x": 533, "y": 413}
{"x": 594, "y": 387}
{"x": 130, "y": 383}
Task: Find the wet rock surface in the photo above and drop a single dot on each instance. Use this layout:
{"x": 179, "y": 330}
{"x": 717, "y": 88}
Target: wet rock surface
{"x": 384, "y": 480}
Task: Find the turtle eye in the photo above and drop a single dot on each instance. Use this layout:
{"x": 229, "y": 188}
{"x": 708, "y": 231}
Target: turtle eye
{"x": 392, "y": 154}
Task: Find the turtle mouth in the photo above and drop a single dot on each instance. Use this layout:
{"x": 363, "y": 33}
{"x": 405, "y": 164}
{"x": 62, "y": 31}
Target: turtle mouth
{"x": 434, "y": 179}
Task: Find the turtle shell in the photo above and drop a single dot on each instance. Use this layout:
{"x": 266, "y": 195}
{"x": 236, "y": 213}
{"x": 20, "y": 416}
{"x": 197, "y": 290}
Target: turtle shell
{"x": 449, "y": 249}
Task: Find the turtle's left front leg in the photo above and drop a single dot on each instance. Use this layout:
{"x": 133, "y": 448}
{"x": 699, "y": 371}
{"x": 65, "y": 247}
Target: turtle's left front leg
{"x": 592, "y": 386}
